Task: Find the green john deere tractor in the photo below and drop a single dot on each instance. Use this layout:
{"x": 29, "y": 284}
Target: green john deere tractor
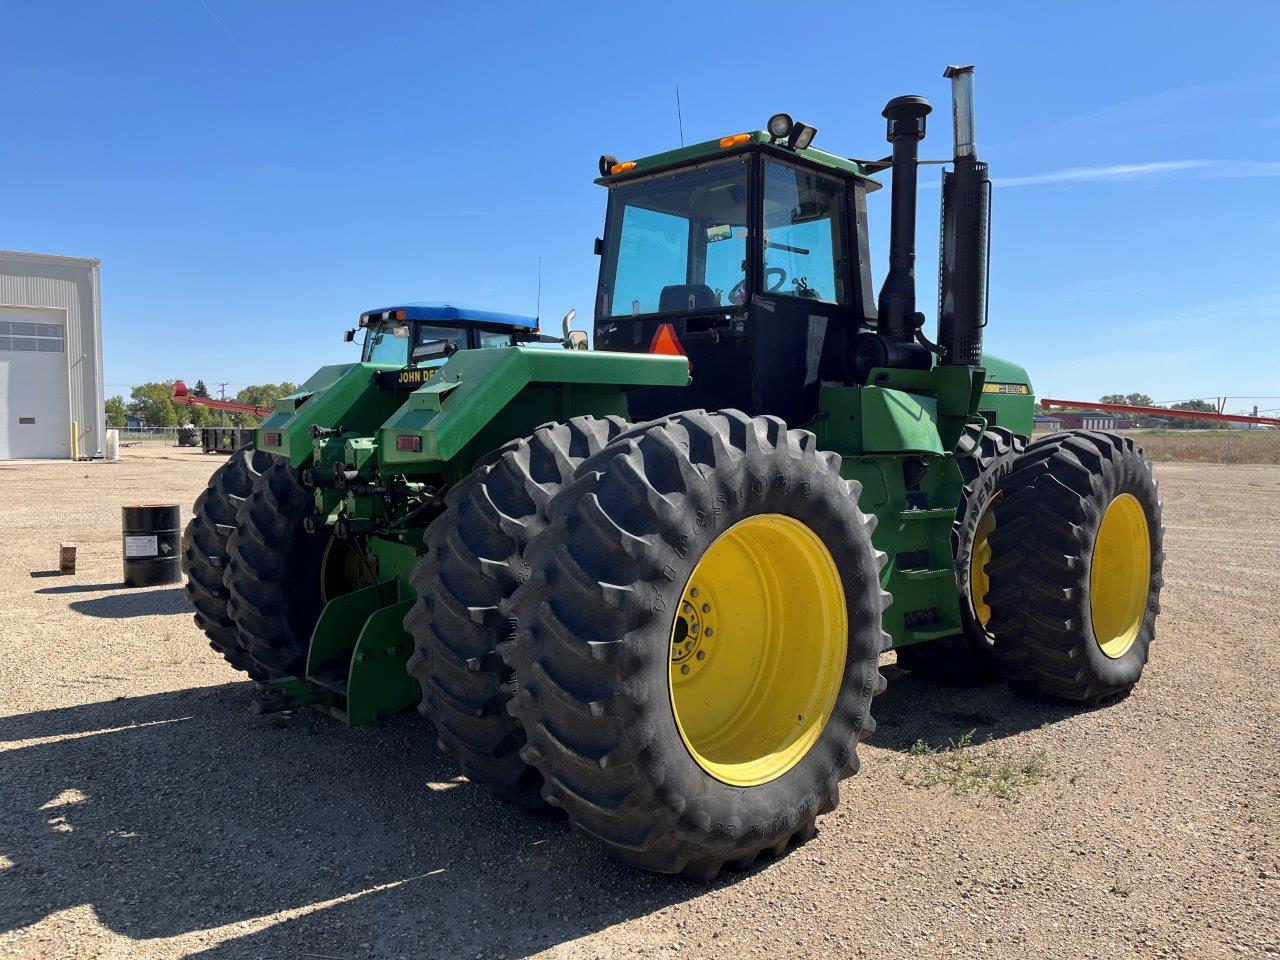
{"x": 651, "y": 583}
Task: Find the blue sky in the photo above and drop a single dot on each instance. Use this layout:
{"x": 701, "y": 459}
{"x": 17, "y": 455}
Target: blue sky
{"x": 253, "y": 175}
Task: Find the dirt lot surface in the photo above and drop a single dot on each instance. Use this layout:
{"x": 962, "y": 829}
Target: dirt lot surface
{"x": 145, "y": 813}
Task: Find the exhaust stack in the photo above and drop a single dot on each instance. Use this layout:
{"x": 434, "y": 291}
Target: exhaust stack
{"x": 962, "y": 109}
{"x": 906, "y": 128}
{"x": 966, "y": 237}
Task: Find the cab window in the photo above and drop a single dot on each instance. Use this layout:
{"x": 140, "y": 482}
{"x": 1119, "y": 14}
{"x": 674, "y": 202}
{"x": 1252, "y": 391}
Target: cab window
{"x": 431, "y": 338}
{"x": 803, "y": 234}
{"x": 387, "y": 343}
{"x": 487, "y": 338}
{"x": 677, "y": 242}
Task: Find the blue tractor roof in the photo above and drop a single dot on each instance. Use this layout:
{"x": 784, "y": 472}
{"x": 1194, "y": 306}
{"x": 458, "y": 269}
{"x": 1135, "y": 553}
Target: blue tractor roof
{"x": 443, "y": 311}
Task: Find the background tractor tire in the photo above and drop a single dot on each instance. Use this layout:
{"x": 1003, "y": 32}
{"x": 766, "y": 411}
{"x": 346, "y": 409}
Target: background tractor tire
{"x": 1076, "y": 569}
{"x": 611, "y": 616}
{"x": 966, "y": 658}
{"x": 473, "y": 563}
{"x": 273, "y": 576}
{"x": 204, "y": 552}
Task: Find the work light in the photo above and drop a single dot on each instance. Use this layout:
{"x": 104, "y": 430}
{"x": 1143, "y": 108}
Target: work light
{"x": 779, "y": 125}
{"x": 801, "y": 136}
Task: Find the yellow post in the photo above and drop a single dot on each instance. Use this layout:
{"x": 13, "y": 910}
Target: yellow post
{"x": 75, "y": 440}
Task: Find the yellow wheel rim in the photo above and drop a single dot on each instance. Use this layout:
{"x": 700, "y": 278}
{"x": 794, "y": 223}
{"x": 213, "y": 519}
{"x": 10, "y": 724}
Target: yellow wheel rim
{"x": 979, "y": 582}
{"x": 1120, "y": 576}
{"x": 758, "y": 650}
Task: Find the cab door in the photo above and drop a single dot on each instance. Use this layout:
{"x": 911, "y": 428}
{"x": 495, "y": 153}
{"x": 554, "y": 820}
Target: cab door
{"x": 802, "y": 309}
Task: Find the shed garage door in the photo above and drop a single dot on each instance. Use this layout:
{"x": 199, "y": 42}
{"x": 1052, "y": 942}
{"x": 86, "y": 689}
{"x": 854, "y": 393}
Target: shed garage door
{"x": 35, "y": 405}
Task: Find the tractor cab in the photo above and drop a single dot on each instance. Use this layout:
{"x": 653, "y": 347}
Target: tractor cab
{"x": 427, "y": 334}
{"x": 748, "y": 255}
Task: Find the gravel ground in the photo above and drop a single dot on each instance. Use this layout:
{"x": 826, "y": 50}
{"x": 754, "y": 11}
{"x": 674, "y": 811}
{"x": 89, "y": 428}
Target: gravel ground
{"x": 145, "y": 813}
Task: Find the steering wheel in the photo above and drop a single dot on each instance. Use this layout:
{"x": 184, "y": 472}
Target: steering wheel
{"x": 739, "y": 292}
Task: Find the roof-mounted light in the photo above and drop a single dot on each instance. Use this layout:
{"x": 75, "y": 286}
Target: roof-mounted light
{"x": 733, "y": 141}
{"x": 801, "y": 136}
{"x": 780, "y": 125}
{"x": 622, "y": 167}
{"x": 606, "y": 163}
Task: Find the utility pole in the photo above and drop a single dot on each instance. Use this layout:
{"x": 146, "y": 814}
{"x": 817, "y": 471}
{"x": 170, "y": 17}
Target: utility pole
{"x": 222, "y": 395}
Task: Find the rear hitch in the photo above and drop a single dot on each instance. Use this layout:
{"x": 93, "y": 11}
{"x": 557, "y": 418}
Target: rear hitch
{"x": 291, "y": 693}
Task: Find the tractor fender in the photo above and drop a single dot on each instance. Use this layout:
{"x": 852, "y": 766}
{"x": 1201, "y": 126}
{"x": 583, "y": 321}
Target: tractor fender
{"x": 470, "y": 390}
{"x": 336, "y": 395}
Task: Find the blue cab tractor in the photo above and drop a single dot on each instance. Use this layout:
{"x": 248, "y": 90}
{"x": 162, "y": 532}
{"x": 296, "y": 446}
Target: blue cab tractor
{"x": 423, "y": 331}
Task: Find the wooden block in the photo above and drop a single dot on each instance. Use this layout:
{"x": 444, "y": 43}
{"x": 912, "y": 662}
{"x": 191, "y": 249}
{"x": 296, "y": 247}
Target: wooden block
{"x": 67, "y": 560}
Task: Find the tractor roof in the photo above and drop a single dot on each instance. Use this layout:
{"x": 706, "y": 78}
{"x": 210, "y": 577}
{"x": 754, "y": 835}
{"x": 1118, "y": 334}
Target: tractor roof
{"x": 444, "y": 311}
{"x": 739, "y": 143}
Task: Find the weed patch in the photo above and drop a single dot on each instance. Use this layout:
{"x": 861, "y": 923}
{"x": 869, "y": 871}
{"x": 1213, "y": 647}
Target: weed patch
{"x": 967, "y": 768}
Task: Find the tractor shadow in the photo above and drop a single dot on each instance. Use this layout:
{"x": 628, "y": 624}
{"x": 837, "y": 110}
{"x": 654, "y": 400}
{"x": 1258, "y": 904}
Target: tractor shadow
{"x": 123, "y": 602}
{"x": 915, "y": 708}
{"x": 181, "y": 812}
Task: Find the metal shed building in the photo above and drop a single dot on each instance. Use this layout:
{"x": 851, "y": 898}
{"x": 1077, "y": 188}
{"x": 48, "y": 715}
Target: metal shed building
{"x": 51, "y": 394}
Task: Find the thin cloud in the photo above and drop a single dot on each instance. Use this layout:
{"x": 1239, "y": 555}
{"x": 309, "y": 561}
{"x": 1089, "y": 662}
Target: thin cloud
{"x": 1159, "y": 169}
{"x": 1182, "y": 112}
{"x": 1153, "y": 109}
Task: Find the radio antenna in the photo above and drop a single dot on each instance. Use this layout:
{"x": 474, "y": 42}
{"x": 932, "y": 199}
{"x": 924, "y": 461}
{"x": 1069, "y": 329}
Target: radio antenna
{"x": 537, "y": 317}
{"x": 679, "y": 115}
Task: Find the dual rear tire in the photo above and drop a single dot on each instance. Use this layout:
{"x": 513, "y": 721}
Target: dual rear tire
{"x": 1059, "y": 553}
{"x": 474, "y": 562}
{"x": 205, "y": 553}
{"x": 274, "y": 573}
{"x": 697, "y": 643}
{"x": 253, "y": 571}
{"x": 1077, "y": 567}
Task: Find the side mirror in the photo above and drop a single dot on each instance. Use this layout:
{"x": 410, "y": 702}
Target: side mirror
{"x": 349, "y": 336}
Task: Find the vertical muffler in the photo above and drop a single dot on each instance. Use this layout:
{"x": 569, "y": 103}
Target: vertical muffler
{"x": 905, "y": 118}
{"x": 966, "y": 236}
{"x": 897, "y": 323}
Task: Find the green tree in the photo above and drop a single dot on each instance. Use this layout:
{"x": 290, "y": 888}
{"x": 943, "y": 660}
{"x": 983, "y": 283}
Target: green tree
{"x": 200, "y": 390}
{"x": 1200, "y": 406}
{"x": 115, "y": 412}
{"x": 1132, "y": 399}
{"x": 262, "y": 395}
{"x": 150, "y": 403}
{"x": 198, "y": 416}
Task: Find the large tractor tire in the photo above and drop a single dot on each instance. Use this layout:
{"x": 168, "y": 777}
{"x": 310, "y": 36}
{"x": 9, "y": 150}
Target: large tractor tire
{"x": 473, "y": 563}
{"x": 204, "y": 553}
{"x": 697, "y": 644}
{"x": 273, "y": 576}
{"x": 1077, "y": 555}
{"x": 966, "y": 657}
